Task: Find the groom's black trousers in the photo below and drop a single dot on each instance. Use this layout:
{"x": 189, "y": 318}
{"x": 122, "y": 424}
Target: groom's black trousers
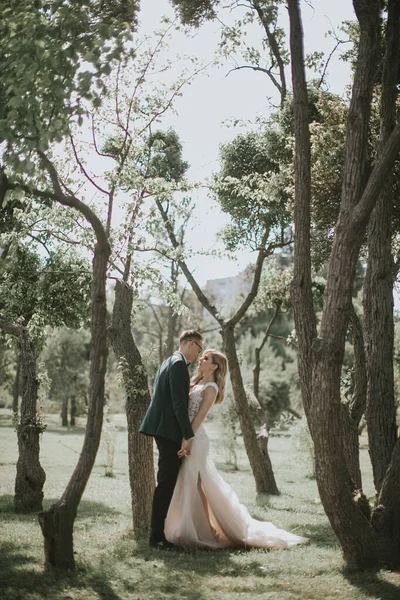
{"x": 168, "y": 469}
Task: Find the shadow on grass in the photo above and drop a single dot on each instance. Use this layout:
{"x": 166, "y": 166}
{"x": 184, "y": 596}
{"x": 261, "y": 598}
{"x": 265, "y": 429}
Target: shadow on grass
{"x": 207, "y": 560}
{"x": 18, "y": 581}
{"x": 22, "y": 576}
{"x": 321, "y": 535}
{"x": 87, "y": 508}
{"x": 371, "y": 585}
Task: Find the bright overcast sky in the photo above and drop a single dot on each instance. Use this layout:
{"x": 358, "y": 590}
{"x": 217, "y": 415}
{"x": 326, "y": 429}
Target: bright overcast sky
{"x": 243, "y": 94}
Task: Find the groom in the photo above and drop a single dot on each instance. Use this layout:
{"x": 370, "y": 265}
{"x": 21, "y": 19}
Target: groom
{"x": 167, "y": 420}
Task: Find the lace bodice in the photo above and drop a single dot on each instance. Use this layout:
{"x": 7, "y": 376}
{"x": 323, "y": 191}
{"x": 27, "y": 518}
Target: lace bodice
{"x": 195, "y": 397}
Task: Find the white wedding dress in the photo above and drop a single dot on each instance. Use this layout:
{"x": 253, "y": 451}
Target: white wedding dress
{"x": 205, "y": 512}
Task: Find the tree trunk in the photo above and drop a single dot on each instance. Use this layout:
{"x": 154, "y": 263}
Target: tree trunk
{"x": 301, "y": 290}
{"x": 336, "y": 487}
{"x": 73, "y": 412}
{"x": 378, "y": 286}
{"x": 256, "y": 373}
{"x": 64, "y": 412}
{"x": 30, "y": 477}
{"x": 261, "y": 467}
{"x": 57, "y": 523}
{"x": 17, "y": 384}
{"x": 140, "y": 447}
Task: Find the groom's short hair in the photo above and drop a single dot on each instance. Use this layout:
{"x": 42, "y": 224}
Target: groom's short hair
{"x": 190, "y": 334}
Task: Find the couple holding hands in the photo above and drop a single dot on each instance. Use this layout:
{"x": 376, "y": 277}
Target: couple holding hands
{"x": 193, "y": 507}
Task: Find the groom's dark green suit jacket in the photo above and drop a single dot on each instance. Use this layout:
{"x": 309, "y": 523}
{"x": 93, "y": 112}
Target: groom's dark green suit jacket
{"x": 167, "y": 415}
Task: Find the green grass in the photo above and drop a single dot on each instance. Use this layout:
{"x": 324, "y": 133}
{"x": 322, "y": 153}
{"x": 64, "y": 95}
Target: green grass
{"x": 113, "y": 566}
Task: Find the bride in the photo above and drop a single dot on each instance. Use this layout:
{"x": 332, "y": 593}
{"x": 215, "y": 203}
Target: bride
{"x": 205, "y": 512}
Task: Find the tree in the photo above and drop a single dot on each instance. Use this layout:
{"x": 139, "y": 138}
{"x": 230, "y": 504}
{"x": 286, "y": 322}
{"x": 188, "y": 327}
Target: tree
{"x": 263, "y": 220}
{"x": 30, "y": 476}
{"x": 321, "y": 357}
{"x": 66, "y": 359}
{"x": 123, "y": 141}
{"x": 42, "y": 91}
{"x": 35, "y": 292}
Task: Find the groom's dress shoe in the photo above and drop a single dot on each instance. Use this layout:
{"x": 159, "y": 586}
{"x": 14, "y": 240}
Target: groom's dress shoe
{"x": 163, "y": 545}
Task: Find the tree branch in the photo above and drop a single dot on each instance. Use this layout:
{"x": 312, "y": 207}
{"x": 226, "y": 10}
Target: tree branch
{"x": 82, "y": 168}
{"x": 266, "y": 334}
{"x": 70, "y": 201}
{"x": 262, "y": 70}
{"x": 182, "y": 264}
{"x": 256, "y": 281}
{"x": 380, "y": 172}
{"x": 274, "y": 46}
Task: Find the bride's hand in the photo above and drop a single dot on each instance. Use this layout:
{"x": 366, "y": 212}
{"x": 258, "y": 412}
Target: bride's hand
{"x": 185, "y": 448}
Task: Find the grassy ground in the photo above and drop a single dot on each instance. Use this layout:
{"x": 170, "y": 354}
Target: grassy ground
{"x": 113, "y": 566}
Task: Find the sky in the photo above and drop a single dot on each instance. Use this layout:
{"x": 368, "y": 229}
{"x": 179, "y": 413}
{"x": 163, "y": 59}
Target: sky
{"x": 212, "y": 99}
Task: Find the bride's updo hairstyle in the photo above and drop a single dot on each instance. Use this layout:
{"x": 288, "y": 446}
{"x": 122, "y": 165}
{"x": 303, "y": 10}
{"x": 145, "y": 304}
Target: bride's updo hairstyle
{"x": 219, "y": 359}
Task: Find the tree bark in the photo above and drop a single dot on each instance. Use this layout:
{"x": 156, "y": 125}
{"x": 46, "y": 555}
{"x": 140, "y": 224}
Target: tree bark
{"x": 30, "y": 477}
{"x": 301, "y": 291}
{"x": 17, "y": 384}
{"x": 260, "y": 464}
{"x": 378, "y": 285}
{"x": 57, "y": 523}
{"x": 140, "y": 447}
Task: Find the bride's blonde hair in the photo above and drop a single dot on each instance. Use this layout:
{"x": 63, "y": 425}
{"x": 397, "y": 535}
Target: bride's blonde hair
{"x": 219, "y": 359}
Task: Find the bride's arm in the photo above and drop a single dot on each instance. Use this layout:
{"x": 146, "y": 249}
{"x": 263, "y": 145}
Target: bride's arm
{"x": 210, "y": 393}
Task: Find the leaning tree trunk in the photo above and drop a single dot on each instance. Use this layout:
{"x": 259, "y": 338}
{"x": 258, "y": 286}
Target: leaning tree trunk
{"x": 336, "y": 486}
{"x": 140, "y": 447}
{"x": 259, "y": 462}
{"x": 378, "y": 285}
{"x": 57, "y": 523}
{"x": 30, "y": 476}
